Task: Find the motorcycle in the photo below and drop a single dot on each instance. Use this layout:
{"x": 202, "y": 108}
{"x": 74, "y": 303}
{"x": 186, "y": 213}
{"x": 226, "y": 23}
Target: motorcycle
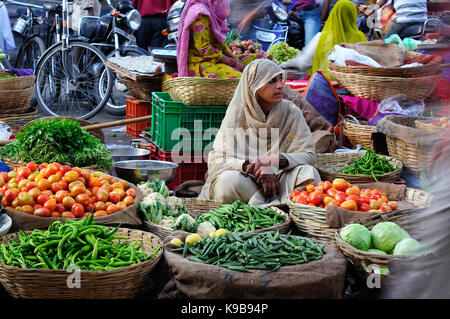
{"x": 113, "y": 35}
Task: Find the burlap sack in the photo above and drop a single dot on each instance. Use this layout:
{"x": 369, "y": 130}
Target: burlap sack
{"x": 323, "y": 278}
{"x": 126, "y": 217}
{"x": 337, "y": 217}
{"x": 404, "y": 129}
{"x": 386, "y": 54}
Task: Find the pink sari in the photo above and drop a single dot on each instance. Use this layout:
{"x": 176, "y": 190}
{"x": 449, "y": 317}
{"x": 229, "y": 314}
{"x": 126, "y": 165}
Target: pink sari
{"x": 216, "y": 10}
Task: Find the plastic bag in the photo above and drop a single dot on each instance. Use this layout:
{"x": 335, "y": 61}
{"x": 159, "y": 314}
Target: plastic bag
{"x": 340, "y": 54}
{"x": 405, "y": 44}
{"x": 5, "y": 131}
{"x": 400, "y": 105}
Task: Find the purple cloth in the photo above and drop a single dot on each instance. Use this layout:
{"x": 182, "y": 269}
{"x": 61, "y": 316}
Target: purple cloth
{"x": 300, "y": 4}
{"x": 216, "y": 10}
{"x": 365, "y": 108}
{"x": 21, "y": 72}
{"x": 379, "y": 116}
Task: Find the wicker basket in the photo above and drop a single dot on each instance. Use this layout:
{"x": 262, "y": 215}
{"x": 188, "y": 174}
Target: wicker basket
{"x": 16, "y": 101}
{"x": 362, "y": 259}
{"x": 142, "y": 90}
{"x": 12, "y": 164}
{"x": 378, "y": 88}
{"x": 429, "y": 128}
{"x": 415, "y": 158}
{"x": 329, "y": 166}
{"x": 16, "y": 121}
{"x": 18, "y": 83}
{"x": 312, "y": 220}
{"x": 201, "y": 91}
{"x": 410, "y": 72}
{"x": 359, "y": 134}
{"x": 122, "y": 283}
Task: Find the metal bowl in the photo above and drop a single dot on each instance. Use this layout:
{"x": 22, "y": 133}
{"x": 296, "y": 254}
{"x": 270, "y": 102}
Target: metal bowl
{"x": 127, "y": 153}
{"x": 137, "y": 171}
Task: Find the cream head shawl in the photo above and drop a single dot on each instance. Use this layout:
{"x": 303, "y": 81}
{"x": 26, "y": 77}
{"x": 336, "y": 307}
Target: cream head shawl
{"x": 247, "y": 132}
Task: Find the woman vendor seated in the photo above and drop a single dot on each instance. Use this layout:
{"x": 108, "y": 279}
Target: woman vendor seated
{"x": 201, "y": 47}
{"x": 264, "y": 148}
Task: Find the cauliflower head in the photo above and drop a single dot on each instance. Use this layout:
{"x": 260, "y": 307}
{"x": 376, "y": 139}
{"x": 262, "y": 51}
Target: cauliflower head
{"x": 205, "y": 228}
{"x": 153, "y": 198}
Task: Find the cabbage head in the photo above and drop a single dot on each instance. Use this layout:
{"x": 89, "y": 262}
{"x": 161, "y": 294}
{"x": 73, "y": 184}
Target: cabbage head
{"x": 386, "y": 235}
{"x": 376, "y": 251}
{"x": 356, "y": 235}
{"x": 408, "y": 246}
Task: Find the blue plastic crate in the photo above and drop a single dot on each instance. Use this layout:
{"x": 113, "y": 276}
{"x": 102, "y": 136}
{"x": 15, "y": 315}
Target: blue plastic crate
{"x": 4, "y": 167}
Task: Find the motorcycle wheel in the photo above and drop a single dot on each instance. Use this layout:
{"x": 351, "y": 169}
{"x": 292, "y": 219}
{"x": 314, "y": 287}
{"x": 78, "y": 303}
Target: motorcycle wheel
{"x": 116, "y": 105}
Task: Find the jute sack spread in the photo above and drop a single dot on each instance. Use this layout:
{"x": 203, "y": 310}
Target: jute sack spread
{"x": 323, "y": 278}
{"x": 126, "y": 217}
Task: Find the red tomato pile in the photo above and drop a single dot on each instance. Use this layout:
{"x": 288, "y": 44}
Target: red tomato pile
{"x": 443, "y": 122}
{"x": 55, "y": 190}
{"x": 343, "y": 194}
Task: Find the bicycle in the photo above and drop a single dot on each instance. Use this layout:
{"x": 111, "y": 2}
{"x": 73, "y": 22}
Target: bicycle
{"x": 69, "y": 74}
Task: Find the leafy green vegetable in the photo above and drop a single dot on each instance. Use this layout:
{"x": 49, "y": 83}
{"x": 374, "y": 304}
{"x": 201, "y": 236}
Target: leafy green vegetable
{"x": 357, "y": 236}
{"x": 386, "y": 235}
{"x": 231, "y": 36}
{"x": 157, "y": 185}
{"x": 408, "y": 246}
{"x": 58, "y": 140}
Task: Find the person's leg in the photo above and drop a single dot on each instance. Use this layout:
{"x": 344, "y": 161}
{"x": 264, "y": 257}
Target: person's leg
{"x": 311, "y": 23}
{"x": 143, "y": 35}
{"x": 396, "y": 28}
{"x": 159, "y": 23}
{"x": 231, "y": 186}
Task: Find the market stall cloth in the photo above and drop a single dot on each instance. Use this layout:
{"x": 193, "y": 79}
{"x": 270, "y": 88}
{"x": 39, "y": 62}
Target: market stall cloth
{"x": 322, "y": 279}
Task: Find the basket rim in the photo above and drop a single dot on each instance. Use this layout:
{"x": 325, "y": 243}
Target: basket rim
{"x": 91, "y": 272}
{"x": 387, "y": 78}
{"x": 202, "y": 80}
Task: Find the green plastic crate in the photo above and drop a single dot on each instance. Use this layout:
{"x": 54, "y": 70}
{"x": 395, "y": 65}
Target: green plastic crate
{"x": 169, "y": 115}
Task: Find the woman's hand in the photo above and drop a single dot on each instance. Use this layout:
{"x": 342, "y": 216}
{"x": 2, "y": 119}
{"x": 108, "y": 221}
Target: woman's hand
{"x": 270, "y": 184}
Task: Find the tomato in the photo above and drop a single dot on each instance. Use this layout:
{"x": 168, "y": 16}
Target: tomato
{"x": 15, "y": 202}
{"x": 384, "y": 198}
{"x": 356, "y": 198}
{"x": 340, "y": 196}
{"x": 349, "y": 205}
{"x": 25, "y": 198}
{"x": 88, "y": 215}
{"x": 125, "y": 184}
{"x": 121, "y": 205}
{"x": 382, "y": 202}
{"x": 44, "y": 184}
{"x": 374, "y": 204}
{"x": 5, "y": 176}
{"x": 82, "y": 180}
{"x": 50, "y": 204}
{"x": 319, "y": 189}
{"x": 304, "y": 193}
{"x": 354, "y": 190}
{"x": 77, "y": 170}
{"x": 128, "y": 200}
{"x": 77, "y": 189}
{"x": 130, "y": 192}
{"x": 71, "y": 176}
{"x": 42, "y": 166}
{"x": 64, "y": 169}
{"x": 24, "y": 172}
{"x": 100, "y": 213}
{"x": 55, "y": 214}
{"x": 59, "y": 196}
{"x": 43, "y": 212}
{"x": 385, "y": 208}
{"x": 64, "y": 184}
{"x": 94, "y": 190}
{"x": 310, "y": 188}
{"x": 11, "y": 194}
{"x": 12, "y": 185}
{"x": 82, "y": 199}
{"x": 89, "y": 207}
{"x": 375, "y": 196}
{"x": 37, "y": 206}
{"x": 85, "y": 174}
{"x": 68, "y": 202}
{"x": 56, "y": 187}
{"x": 38, "y": 177}
{"x": 300, "y": 199}
{"x": 77, "y": 210}
{"x": 2, "y": 182}
{"x": 33, "y": 175}
{"x": 92, "y": 200}
{"x": 60, "y": 208}
{"x": 364, "y": 199}
{"x": 32, "y": 166}
{"x": 22, "y": 183}
{"x": 393, "y": 205}
{"x": 94, "y": 181}
{"x": 68, "y": 215}
{"x": 42, "y": 199}
{"x": 340, "y": 184}
{"x": 72, "y": 184}
{"x": 28, "y": 209}
{"x": 114, "y": 197}
{"x": 315, "y": 197}
{"x": 332, "y": 192}
{"x": 106, "y": 187}
{"x": 88, "y": 192}
{"x": 12, "y": 174}
{"x": 294, "y": 193}
{"x": 102, "y": 195}
{"x": 53, "y": 178}
{"x": 112, "y": 209}
{"x": 122, "y": 193}
{"x": 326, "y": 200}
{"x": 48, "y": 192}
{"x": 99, "y": 206}
{"x": 30, "y": 186}
{"x": 376, "y": 192}
{"x": 364, "y": 207}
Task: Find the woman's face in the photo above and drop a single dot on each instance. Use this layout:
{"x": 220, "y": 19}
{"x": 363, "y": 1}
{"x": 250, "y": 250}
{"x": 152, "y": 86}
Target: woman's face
{"x": 272, "y": 92}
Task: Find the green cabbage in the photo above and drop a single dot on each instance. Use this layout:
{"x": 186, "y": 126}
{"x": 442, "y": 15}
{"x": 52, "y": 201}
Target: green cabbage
{"x": 408, "y": 246}
{"x": 356, "y": 235}
{"x": 376, "y": 251}
{"x": 386, "y": 235}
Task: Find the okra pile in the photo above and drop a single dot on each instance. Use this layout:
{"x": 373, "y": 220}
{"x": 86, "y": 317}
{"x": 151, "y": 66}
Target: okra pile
{"x": 264, "y": 251}
{"x": 239, "y": 217}
{"x": 82, "y": 243}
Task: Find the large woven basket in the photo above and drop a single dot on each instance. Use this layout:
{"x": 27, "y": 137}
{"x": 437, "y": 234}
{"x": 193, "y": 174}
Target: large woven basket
{"x": 359, "y": 133}
{"x": 329, "y": 166}
{"x": 378, "y": 88}
{"x": 201, "y": 91}
{"x": 16, "y": 121}
{"x": 12, "y": 164}
{"x": 18, "y": 83}
{"x": 362, "y": 259}
{"x": 410, "y": 72}
{"x": 429, "y": 128}
{"x": 122, "y": 283}
{"x": 142, "y": 89}
{"x": 312, "y": 220}
{"x": 16, "y": 101}
{"x": 414, "y": 157}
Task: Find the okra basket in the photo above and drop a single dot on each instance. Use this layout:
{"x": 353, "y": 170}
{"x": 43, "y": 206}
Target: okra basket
{"x": 329, "y": 166}
{"x": 121, "y": 283}
{"x": 312, "y": 220}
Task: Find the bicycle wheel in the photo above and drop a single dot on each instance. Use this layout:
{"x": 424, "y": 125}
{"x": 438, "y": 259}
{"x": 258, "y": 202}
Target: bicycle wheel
{"x": 67, "y": 81}
{"x": 29, "y": 54}
{"x": 116, "y": 104}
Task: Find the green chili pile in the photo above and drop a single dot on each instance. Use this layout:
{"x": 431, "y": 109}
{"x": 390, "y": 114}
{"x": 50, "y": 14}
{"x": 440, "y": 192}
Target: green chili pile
{"x": 264, "y": 251}
{"x": 369, "y": 164}
{"x": 82, "y": 243}
{"x": 239, "y": 217}
{"x": 58, "y": 140}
